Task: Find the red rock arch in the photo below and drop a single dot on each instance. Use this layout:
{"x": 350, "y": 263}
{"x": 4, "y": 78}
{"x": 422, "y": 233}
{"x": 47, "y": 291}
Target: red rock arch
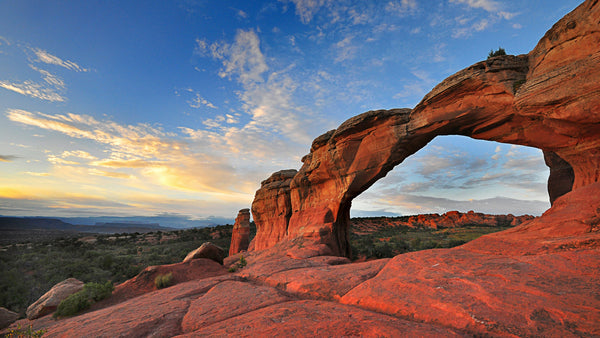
{"x": 548, "y": 99}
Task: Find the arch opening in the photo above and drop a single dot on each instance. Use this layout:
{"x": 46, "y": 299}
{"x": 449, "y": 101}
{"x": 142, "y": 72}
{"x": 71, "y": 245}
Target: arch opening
{"x": 458, "y": 173}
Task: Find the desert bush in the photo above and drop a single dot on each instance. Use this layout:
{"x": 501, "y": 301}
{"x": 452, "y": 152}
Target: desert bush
{"x": 80, "y": 301}
{"x": 242, "y": 262}
{"x": 498, "y": 52}
{"x": 24, "y": 332}
{"x": 98, "y": 291}
{"x": 74, "y": 304}
{"x": 163, "y": 281}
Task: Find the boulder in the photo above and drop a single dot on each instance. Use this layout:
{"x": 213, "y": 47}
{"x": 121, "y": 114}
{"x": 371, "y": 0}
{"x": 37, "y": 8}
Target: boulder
{"x": 7, "y": 317}
{"x": 240, "y": 236}
{"x": 207, "y": 250}
{"x": 50, "y": 300}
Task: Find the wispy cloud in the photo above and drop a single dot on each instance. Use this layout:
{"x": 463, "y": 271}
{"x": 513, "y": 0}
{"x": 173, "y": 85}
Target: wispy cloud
{"x": 8, "y": 158}
{"x": 33, "y": 89}
{"x": 306, "y": 9}
{"x": 197, "y": 101}
{"x": 494, "y": 8}
{"x": 45, "y": 57}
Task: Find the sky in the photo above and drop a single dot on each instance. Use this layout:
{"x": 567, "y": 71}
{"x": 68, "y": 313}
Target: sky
{"x": 122, "y": 108}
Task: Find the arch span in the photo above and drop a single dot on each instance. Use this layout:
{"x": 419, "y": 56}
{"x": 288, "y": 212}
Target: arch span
{"x": 548, "y": 99}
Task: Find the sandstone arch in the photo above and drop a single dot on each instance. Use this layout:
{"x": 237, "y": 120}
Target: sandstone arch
{"x": 548, "y": 99}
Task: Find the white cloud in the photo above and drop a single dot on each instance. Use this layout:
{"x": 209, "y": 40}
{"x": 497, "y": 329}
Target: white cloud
{"x": 306, "y": 9}
{"x": 198, "y": 101}
{"x": 345, "y": 49}
{"x": 45, "y": 57}
{"x": 33, "y": 89}
{"x": 402, "y": 7}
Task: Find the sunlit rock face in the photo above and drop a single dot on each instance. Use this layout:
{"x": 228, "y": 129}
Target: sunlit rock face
{"x": 240, "y": 235}
{"x": 548, "y": 99}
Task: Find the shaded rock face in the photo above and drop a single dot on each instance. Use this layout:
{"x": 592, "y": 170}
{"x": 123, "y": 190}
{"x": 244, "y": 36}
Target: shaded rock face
{"x": 207, "y": 250}
{"x": 49, "y": 301}
{"x": 548, "y": 99}
{"x": 7, "y": 317}
{"x": 240, "y": 236}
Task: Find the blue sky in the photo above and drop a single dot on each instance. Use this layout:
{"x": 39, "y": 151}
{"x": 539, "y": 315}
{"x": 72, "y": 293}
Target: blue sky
{"x": 139, "y": 108}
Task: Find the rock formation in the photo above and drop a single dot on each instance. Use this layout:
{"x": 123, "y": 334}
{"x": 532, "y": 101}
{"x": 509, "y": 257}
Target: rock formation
{"x": 548, "y": 99}
{"x": 207, "y": 250}
{"x": 451, "y": 219}
{"x": 50, "y": 300}
{"x": 240, "y": 236}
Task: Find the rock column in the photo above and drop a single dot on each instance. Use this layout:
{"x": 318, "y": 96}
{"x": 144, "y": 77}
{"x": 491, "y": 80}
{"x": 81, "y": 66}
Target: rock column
{"x": 240, "y": 237}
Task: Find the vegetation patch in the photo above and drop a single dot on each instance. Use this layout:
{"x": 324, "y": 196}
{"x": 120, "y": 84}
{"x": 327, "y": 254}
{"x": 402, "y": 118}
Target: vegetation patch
{"x": 24, "y": 332}
{"x": 82, "y": 300}
{"x": 498, "y": 52}
{"x": 163, "y": 281}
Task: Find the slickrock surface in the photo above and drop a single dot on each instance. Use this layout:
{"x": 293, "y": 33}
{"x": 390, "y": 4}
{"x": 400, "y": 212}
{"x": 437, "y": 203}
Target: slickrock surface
{"x": 240, "y": 235}
{"x": 539, "y": 278}
{"x": 7, "y": 317}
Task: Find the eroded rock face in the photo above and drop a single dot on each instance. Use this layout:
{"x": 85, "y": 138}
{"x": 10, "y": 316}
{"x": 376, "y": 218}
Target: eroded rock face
{"x": 271, "y": 209}
{"x": 50, "y": 300}
{"x": 548, "y": 99}
{"x": 240, "y": 236}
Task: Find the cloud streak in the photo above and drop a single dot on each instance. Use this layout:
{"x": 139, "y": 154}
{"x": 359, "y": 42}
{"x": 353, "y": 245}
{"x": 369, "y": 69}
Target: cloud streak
{"x": 45, "y": 57}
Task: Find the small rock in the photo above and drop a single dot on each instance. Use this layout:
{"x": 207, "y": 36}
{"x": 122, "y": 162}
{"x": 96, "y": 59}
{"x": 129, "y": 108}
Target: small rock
{"x": 207, "y": 250}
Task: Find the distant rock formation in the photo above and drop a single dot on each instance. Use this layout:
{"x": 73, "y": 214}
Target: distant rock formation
{"x": 548, "y": 99}
{"x": 48, "y": 303}
{"x": 451, "y": 219}
{"x": 207, "y": 250}
{"x": 240, "y": 235}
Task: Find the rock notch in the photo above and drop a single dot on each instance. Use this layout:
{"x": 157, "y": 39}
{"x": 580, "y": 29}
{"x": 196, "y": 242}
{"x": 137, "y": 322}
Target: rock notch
{"x": 548, "y": 99}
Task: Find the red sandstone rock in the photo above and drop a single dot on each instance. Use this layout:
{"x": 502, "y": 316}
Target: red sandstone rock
{"x": 309, "y": 318}
{"x": 50, "y": 300}
{"x": 271, "y": 210}
{"x": 240, "y": 236}
{"x": 207, "y": 250}
{"x": 182, "y": 272}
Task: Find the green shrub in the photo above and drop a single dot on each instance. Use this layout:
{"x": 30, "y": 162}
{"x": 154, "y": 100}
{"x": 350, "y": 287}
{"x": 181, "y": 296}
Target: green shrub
{"x": 163, "y": 281}
{"x": 74, "y": 304}
{"x": 242, "y": 262}
{"x": 232, "y": 268}
{"x": 98, "y": 291}
{"x": 80, "y": 301}
{"x": 498, "y": 52}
